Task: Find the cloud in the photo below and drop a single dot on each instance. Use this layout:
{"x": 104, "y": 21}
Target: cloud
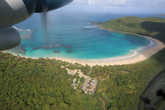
{"x": 116, "y": 2}
{"x": 146, "y": 3}
{"x": 101, "y": 2}
{"x": 125, "y": 3}
{"x": 120, "y": 6}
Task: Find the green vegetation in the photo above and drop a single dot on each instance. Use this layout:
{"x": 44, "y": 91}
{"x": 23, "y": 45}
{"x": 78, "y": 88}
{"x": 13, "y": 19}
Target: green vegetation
{"x": 27, "y": 84}
{"x": 43, "y": 84}
{"x": 154, "y": 27}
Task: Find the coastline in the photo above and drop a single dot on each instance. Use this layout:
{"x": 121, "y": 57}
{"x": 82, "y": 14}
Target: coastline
{"x": 135, "y": 56}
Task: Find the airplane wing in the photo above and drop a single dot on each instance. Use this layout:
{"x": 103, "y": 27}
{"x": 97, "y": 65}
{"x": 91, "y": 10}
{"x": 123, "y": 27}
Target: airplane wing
{"x": 153, "y": 97}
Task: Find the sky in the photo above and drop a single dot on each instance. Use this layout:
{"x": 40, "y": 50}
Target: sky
{"x": 123, "y": 6}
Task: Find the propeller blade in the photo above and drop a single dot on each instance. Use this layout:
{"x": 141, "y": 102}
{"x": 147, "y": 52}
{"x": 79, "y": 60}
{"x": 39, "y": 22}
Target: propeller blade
{"x": 44, "y": 16}
{"x": 44, "y": 21}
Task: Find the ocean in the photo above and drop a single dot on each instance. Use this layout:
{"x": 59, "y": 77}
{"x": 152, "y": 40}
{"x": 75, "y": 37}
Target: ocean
{"x": 74, "y": 35}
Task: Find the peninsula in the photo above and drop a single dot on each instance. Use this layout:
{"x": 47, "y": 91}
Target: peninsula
{"x": 152, "y": 26}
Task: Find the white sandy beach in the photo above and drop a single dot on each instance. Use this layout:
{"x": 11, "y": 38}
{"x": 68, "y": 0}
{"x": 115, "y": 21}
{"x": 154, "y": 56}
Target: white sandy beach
{"x": 132, "y": 58}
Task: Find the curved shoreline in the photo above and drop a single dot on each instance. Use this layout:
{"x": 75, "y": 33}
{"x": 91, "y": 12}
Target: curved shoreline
{"x": 134, "y": 57}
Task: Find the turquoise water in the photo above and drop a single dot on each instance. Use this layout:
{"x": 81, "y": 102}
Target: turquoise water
{"x": 72, "y": 35}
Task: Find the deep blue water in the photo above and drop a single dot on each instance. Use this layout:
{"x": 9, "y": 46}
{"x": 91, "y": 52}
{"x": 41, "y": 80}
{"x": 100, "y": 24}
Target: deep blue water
{"x": 72, "y": 35}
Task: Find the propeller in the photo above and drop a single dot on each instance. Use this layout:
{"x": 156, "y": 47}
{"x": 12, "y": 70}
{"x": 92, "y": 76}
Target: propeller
{"x": 43, "y": 6}
{"x": 44, "y": 21}
{"x": 15, "y": 11}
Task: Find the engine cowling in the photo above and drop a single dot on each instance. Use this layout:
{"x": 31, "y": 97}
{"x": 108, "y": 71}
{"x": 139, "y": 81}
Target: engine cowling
{"x": 12, "y": 12}
{"x": 39, "y": 5}
{"x": 15, "y": 11}
{"x": 9, "y": 38}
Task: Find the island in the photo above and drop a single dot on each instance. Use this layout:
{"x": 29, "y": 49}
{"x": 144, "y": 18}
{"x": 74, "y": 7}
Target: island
{"x": 51, "y": 84}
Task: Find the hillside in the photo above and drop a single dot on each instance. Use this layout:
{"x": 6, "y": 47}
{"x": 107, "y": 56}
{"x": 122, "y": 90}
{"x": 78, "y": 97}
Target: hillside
{"x": 154, "y": 27}
{"x": 46, "y": 85}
